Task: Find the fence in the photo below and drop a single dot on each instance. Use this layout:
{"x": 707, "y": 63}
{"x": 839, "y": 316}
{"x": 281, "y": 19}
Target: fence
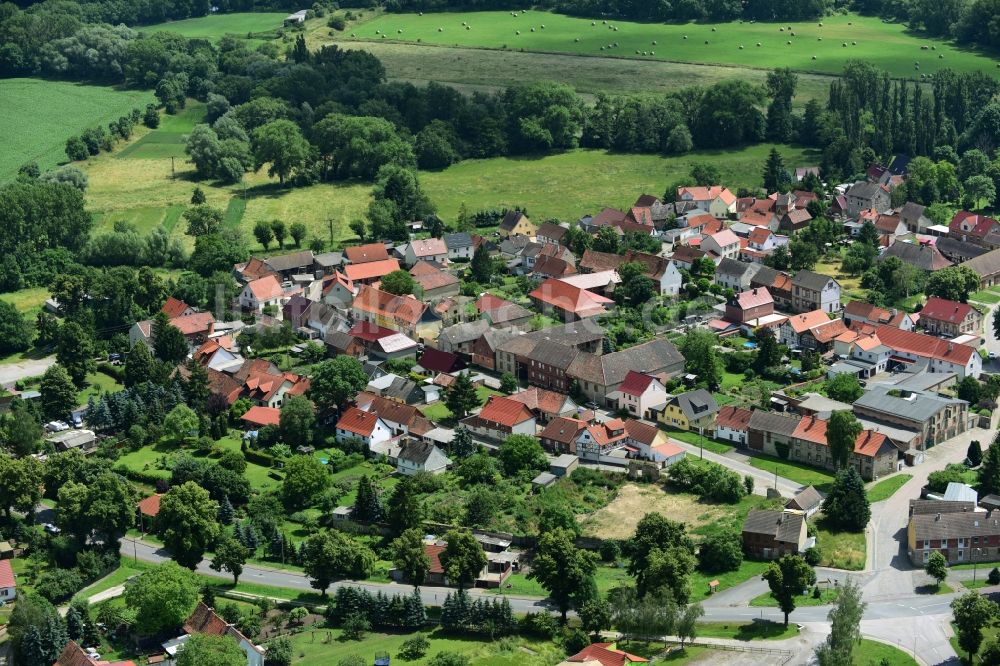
{"x": 787, "y": 654}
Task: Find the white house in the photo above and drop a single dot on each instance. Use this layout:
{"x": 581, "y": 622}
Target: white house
{"x": 500, "y": 418}
{"x": 460, "y": 245}
{"x": 261, "y": 293}
{"x": 640, "y": 393}
{"x": 427, "y": 249}
{"x": 732, "y": 424}
{"x": 204, "y": 620}
{"x": 339, "y": 291}
{"x": 670, "y": 280}
{"x": 8, "y": 585}
{"x": 724, "y": 244}
{"x": 717, "y": 200}
{"x": 358, "y": 424}
{"x": 417, "y": 457}
{"x": 763, "y": 239}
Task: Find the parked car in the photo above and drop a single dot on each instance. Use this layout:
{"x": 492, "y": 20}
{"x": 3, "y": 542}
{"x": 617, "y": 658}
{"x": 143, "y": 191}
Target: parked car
{"x": 51, "y": 529}
{"x": 56, "y": 426}
{"x": 993, "y": 356}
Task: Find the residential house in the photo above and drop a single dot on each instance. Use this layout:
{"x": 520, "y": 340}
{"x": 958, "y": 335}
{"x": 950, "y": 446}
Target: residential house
{"x": 864, "y": 195}
{"x": 813, "y": 291}
{"x": 286, "y": 266}
{"x": 956, "y": 251}
{"x": 691, "y": 411}
{"x": 561, "y": 434}
{"x": 795, "y": 219}
{"x": 421, "y": 457}
{"x": 219, "y": 354}
{"x": 724, "y": 244}
{"x": 435, "y": 361}
{"x": 603, "y": 654}
{"x": 976, "y": 229}
{"x": 732, "y": 424}
{"x": 685, "y": 256}
{"x": 484, "y": 349}
{"x": 8, "y": 584}
{"x": 500, "y": 418}
{"x": 717, "y": 200}
{"x": 501, "y": 313}
{"x": 253, "y": 269}
{"x": 327, "y": 263}
{"x": 174, "y": 308}
{"x": 435, "y": 284}
{"x": 764, "y": 240}
{"x": 370, "y": 272}
{"x": 600, "y": 375}
{"x": 546, "y": 405}
{"x": 547, "y": 364}
{"x": 74, "y": 655}
{"x": 512, "y": 353}
{"x": 551, "y": 233}
{"x": 404, "y": 314}
{"x": 516, "y": 223}
{"x": 943, "y": 317}
{"x": 427, "y": 249}
{"x": 874, "y": 454}
{"x": 82, "y": 440}
{"x": 913, "y": 217}
{"x": 808, "y": 501}
{"x": 603, "y": 442}
{"x": 758, "y": 213}
{"x": 196, "y": 328}
{"x": 769, "y": 432}
{"x": 939, "y": 355}
{"x": 777, "y": 283}
{"x": 987, "y": 267}
{"x": 735, "y": 275}
{"x": 339, "y": 290}
{"x": 924, "y": 255}
{"x": 859, "y": 312}
{"x": 811, "y": 330}
{"x": 460, "y": 245}
{"x": 401, "y": 418}
{"x": 568, "y": 302}
{"x": 928, "y": 417}
{"x": 263, "y": 293}
{"x": 960, "y": 536}
{"x": 355, "y": 423}
{"x": 890, "y": 226}
{"x": 204, "y": 620}
{"x": 749, "y": 307}
{"x": 460, "y": 338}
{"x": 260, "y": 417}
{"x": 264, "y": 384}
{"x": 399, "y": 389}
{"x": 363, "y": 254}
{"x": 551, "y": 267}
{"x": 640, "y": 393}
{"x": 602, "y": 283}
{"x": 662, "y": 271}
{"x": 770, "y": 535}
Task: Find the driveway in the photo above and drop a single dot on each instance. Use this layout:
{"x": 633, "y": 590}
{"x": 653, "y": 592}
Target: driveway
{"x": 12, "y": 372}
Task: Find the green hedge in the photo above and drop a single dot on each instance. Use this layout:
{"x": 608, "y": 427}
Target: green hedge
{"x": 116, "y": 373}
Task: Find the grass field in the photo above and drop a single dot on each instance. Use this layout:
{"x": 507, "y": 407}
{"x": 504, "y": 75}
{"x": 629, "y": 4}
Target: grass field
{"x": 36, "y": 118}
{"x": 169, "y": 138}
{"x": 826, "y": 597}
{"x": 216, "y": 26}
{"x": 799, "y": 473}
{"x": 757, "y": 630}
{"x": 839, "y": 550}
{"x": 883, "y": 490}
{"x": 814, "y": 47}
{"x": 874, "y": 652}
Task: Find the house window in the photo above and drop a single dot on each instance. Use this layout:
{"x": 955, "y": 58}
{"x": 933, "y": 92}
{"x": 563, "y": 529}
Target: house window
{"x": 926, "y": 555}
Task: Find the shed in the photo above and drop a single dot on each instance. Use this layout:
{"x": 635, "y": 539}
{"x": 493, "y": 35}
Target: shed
{"x": 564, "y": 464}
{"x": 543, "y": 480}
{"x": 343, "y": 513}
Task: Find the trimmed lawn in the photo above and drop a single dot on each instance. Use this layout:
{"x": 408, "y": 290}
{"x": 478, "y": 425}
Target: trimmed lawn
{"x": 874, "y": 652}
{"x": 217, "y": 26}
{"x": 519, "y": 585}
{"x": 699, "y": 580}
{"x": 168, "y": 140}
{"x": 27, "y": 301}
{"x": 439, "y": 411}
{"x": 990, "y": 634}
{"x": 826, "y": 597}
{"x": 757, "y": 630}
{"x": 985, "y": 296}
{"x": 797, "y": 472}
{"x": 97, "y": 384}
{"x": 695, "y": 439}
{"x": 886, "y": 488}
{"x": 839, "y": 550}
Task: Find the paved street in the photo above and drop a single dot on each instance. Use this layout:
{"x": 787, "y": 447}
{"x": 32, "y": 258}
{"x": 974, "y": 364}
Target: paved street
{"x": 12, "y": 372}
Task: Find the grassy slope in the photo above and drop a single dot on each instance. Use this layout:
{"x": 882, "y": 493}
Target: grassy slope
{"x": 219, "y": 25}
{"x": 36, "y": 118}
{"x": 887, "y": 45}
{"x": 885, "y": 489}
{"x": 873, "y": 652}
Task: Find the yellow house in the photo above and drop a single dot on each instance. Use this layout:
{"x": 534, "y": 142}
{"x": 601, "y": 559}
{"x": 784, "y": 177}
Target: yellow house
{"x": 516, "y": 223}
{"x": 694, "y": 410}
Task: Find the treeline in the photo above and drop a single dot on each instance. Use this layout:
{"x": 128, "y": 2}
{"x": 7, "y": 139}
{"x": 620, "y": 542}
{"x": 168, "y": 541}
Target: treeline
{"x": 968, "y": 22}
{"x": 641, "y": 10}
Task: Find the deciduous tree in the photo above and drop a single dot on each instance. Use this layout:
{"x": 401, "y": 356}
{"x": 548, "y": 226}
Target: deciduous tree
{"x": 845, "y": 627}
{"x": 187, "y": 523}
{"x": 331, "y": 555}
{"x": 409, "y": 556}
{"x": 305, "y": 480}
{"x": 230, "y": 556}
{"x": 211, "y": 650}
{"x": 58, "y": 393}
{"x": 566, "y": 572}
{"x": 973, "y": 612}
{"x": 336, "y": 381}
{"x": 162, "y": 598}
{"x": 788, "y": 578}
{"x": 937, "y": 567}
{"x": 522, "y": 454}
{"x": 463, "y": 558}
{"x": 842, "y": 432}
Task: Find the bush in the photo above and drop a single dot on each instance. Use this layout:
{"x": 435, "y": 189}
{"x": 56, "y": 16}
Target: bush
{"x": 721, "y": 552}
{"x": 337, "y": 22}
{"x": 414, "y": 648}
{"x": 611, "y": 550}
{"x": 355, "y": 627}
{"x": 575, "y": 641}
{"x": 812, "y": 556}
{"x": 59, "y": 584}
{"x": 711, "y": 482}
{"x": 541, "y": 625}
{"x": 994, "y": 577}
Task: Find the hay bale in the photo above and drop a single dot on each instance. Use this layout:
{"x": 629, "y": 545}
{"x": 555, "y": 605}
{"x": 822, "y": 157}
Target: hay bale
{"x": 741, "y": 47}
{"x": 602, "y": 48}
{"x": 821, "y": 24}
{"x": 643, "y": 53}
{"x": 781, "y": 29}
{"x": 758, "y": 43}
{"x": 543, "y": 26}
{"x": 440, "y": 29}
{"x": 793, "y": 34}
{"x": 706, "y": 41}
{"x": 713, "y": 29}
{"x": 604, "y": 22}
{"x": 532, "y": 30}
{"x": 517, "y": 32}
{"x": 593, "y": 23}
{"x": 616, "y": 28}
{"x": 814, "y": 57}
{"x": 789, "y": 42}
{"x": 654, "y": 42}
{"x": 819, "y": 39}
{"x": 468, "y": 27}
{"x": 933, "y": 48}
{"x": 940, "y": 56}
{"x": 577, "y": 39}
{"x": 844, "y": 44}
{"x": 399, "y": 32}
{"x": 923, "y": 48}
{"x": 685, "y": 36}
{"x": 854, "y": 43}
{"x": 652, "y": 53}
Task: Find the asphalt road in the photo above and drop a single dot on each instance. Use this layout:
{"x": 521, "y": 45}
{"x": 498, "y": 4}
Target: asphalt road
{"x": 12, "y": 372}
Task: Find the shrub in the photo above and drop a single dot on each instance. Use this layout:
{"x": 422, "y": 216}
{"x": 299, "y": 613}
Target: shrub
{"x": 542, "y": 625}
{"x": 414, "y": 648}
{"x": 812, "y": 556}
{"x": 355, "y": 627}
{"x": 611, "y": 550}
{"x": 576, "y": 641}
{"x": 337, "y": 22}
{"x": 711, "y": 482}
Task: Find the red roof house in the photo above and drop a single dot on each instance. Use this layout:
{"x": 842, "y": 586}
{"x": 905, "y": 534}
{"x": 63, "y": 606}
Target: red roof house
{"x": 258, "y": 416}
{"x": 150, "y": 506}
{"x": 572, "y": 303}
{"x": 606, "y": 655}
{"x": 362, "y": 254}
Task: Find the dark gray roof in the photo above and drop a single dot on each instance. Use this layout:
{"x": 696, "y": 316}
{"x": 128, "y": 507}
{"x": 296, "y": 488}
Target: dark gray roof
{"x": 420, "y": 453}
{"x": 774, "y": 422}
{"x": 511, "y": 219}
{"x": 912, "y": 211}
{"x": 954, "y": 525}
{"x": 765, "y": 276}
{"x": 985, "y": 265}
{"x": 339, "y": 340}
{"x": 514, "y": 245}
{"x": 467, "y": 332}
{"x": 736, "y": 268}
{"x": 697, "y": 404}
{"x": 551, "y": 230}
{"x": 653, "y": 357}
{"x": 508, "y": 313}
{"x": 925, "y": 506}
{"x": 328, "y": 259}
{"x": 918, "y": 406}
{"x": 864, "y": 190}
{"x": 785, "y": 527}
{"x": 458, "y": 240}
{"x": 811, "y": 280}
{"x": 955, "y": 249}
{"x": 294, "y": 260}
{"x": 923, "y": 257}
{"x": 554, "y": 353}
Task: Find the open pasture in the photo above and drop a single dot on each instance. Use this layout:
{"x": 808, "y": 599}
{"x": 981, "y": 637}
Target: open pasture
{"x": 822, "y": 47}
{"x": 217, "y": 26}
{"x": 36, "y": 118}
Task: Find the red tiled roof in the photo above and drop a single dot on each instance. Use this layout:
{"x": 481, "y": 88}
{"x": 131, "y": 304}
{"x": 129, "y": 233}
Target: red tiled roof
{"x": 925, "y": 346}
{"x": 534, "y": 398}
{"x": 563, "y": 430}
{"x": 433, "y": 552}
{"x": 706, "y": 194}
{"x": 733, "y": 417}
{"x": 981, "y": 225}
{"x": 700, "y": 220}
{"x": 73, "y": 655}
{"x": 149, "y": 506}
{"x": 205, "y": 621}
{"x": 266, "y": 288}
{"x": 489, "y": 302}
{"x": 606, "y": 655}
{"x": 198, "y": 322}
{"x": 369, "y": 332}
{"x": 436, "y": 360}
{"x": 808, "y": 320}
{"x": 641, "y": 431}
{"x": 553, "y": 267}
{"x": 371, "y": 269}
{"x": 754, "y": 297}
{"x": 357, "y": 421}
{"x": 404, "y": 309}
{"x": 941, "y": 309}
{"x": 724, "y": 238}
{"x": 687, "y": 254}
{"x": 759, "y": 235}
{"x": 174, "y": 307}
{"x": 504, "y": 411}
{"x": 360, "y": 254}
{"x": 636, "y": 383}
{"x": 262, "y": 416}
{"x": 568, "y": 298}
{"x": 869, "y": 442}
{"x": 429, "y": 247}
{"x": 6, "y": 575}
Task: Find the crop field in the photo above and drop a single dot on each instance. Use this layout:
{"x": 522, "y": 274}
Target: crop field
{"x": 240, "y": 24}
{"x": 36, "y": 118}
{"x": 822, "y": 47}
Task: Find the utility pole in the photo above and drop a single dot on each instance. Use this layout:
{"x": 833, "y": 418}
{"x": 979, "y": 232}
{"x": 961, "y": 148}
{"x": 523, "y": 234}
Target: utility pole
{"x": 775, "y": 477}
{"x": 329, "y": 224}
{"x": 173, "y": 173}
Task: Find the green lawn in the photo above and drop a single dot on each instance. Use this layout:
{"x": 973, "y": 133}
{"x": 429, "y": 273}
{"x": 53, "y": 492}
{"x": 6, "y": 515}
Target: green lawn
{"x": 797, "y": 472}
{"x": 97, "y": 383}
{"x": 807, "y": 46}
{"x": 826, "y": 597}
{"x": 757, "y": 630}
{"x": 874, "y": 652}
{"x": 695, "y": 439}
{"x": 169, "y": 138}
{"x": 886, "y": 488}
{"x": 144, "y": 218}
{"x": 217, "y": 26}
{"x": 840, "y": 550}
{"x": 36, "y": 118}
{"x": 699, "y": 580}
{"x": 440, "y": 412}
{"x": 985, "y": 297}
